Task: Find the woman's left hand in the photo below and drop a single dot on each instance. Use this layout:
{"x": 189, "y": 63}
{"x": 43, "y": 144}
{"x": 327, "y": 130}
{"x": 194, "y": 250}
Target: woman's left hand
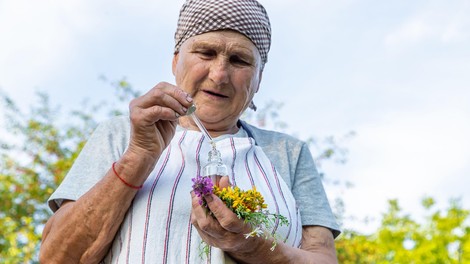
{"x": 223, "y": 229}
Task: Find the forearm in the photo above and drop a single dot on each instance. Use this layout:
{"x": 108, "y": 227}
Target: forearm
{"x": 82, "y": 231}
{"x": 317, "y": 247}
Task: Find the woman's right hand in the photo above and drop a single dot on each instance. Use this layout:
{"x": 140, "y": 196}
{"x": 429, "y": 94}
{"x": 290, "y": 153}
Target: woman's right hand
{"x": 153, "y": 119}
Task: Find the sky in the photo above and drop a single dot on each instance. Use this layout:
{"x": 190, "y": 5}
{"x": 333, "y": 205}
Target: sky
{"x": 394, "y": 72}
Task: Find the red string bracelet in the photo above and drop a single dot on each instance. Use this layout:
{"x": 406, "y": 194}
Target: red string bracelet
{"x": 126, "y": 183}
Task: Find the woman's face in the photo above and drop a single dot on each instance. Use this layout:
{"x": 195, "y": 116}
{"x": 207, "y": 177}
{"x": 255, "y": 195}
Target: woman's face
{"x": 221, "y": 70}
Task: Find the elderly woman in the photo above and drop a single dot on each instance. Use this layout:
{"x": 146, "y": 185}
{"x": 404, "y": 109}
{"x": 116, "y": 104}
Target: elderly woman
{"x": 128, "y": 199}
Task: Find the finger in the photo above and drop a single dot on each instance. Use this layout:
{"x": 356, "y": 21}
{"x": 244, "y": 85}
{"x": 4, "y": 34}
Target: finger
{"x": 226, "y": 218}
{"x": 164, "y": 88}
{"x": 161, "y": 104}
{"x": 224, "y": 182}
{"x": 165, "y": 94}
{"x": 178, "y": 93}
{"x": 221, "y": 181}
{"x": 210, "y": 240}
{"x": 167, "y": 130}
{"x": 150, "y": 116}
{"x": 198, "y": 212}
{"x": 203, "y": 221}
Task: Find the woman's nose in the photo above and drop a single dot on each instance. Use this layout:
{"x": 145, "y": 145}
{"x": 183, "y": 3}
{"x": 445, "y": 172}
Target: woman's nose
{"x": 219, "y": 72}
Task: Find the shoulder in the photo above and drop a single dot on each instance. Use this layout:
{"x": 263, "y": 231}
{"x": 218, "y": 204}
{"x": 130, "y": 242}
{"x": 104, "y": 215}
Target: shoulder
{"x": 106, "y": 144}
{"x": 110, "y": 136}
{"x": 286, "y": 152}
{"x": 117, "y": 123}
{"x": 273, "y": 139}
{"x": 115, "y": 128}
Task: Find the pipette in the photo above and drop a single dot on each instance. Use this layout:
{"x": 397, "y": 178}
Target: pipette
{"x": 191, "y": 112}
{"x": 215, "y": 167}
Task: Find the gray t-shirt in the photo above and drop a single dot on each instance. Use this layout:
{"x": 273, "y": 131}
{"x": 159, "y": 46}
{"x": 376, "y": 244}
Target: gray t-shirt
{"x": 290, "y": 156}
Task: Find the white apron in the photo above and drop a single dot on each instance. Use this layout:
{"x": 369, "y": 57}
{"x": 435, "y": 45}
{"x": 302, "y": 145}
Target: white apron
{"x": 157, "y": 227}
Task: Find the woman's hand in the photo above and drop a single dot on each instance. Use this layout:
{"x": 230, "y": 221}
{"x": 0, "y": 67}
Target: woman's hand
{"x": 153, "y": 118}
{"x": 222, "y": 229}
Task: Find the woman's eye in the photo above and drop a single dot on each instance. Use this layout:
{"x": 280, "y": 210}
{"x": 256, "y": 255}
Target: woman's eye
{"x": 206, "y": 53}
{"x": 238, "y": 60}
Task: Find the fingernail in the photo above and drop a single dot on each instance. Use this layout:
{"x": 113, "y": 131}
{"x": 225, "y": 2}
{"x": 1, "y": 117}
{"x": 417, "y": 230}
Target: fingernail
{"x": 189, "y": 98}
{"x": 184, "y": 109}
{"x": 177, "y": 115}
{"x": 208, "y": 198}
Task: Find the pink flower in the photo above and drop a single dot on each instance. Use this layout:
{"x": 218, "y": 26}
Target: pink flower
{"x": 202, "y": 186}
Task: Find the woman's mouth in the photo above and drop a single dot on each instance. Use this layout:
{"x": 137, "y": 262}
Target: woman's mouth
{"x": 211, "y": 93}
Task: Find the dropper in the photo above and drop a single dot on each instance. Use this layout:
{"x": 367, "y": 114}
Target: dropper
{"x": 215, "y": 167}
{"x": 191, "y": 112}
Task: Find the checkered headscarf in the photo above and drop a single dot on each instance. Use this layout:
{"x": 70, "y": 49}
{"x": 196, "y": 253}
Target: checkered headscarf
{"x": 245, "y": 16}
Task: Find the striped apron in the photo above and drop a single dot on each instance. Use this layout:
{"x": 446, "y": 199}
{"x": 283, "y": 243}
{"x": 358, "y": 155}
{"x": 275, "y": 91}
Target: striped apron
{"x": 157, "y": 227}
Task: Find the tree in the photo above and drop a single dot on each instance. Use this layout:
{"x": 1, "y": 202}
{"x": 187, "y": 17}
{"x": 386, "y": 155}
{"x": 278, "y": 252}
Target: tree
{"x": 30, "y": 170}
{"x": 443, "y": 237}
{"x": 35, "y": 154}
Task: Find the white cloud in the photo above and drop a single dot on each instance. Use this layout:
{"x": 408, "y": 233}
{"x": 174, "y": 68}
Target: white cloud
{"x": 38, "y": 38}
{"x": 411, "y": 31}
{"x": 444, "y": 22}
{"x": 44, "y": 41}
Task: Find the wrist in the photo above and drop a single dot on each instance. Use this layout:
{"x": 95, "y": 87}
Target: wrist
{"x": 248, "y": 249}
{"x": 123, "y": 180}
{"x": 136, "y": 151}
{"x": 258, "y": 250}
{"x": 133, "y": 169}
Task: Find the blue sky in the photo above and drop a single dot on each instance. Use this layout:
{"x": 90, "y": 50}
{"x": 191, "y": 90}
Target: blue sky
{"x": 395, "y": 72}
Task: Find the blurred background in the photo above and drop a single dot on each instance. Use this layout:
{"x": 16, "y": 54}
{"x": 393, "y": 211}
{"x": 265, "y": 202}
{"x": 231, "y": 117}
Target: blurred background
{"x": 380, "y": 90}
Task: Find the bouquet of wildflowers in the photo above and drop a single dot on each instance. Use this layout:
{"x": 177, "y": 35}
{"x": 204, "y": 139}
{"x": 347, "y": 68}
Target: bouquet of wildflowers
{"x": 247, "y": 205}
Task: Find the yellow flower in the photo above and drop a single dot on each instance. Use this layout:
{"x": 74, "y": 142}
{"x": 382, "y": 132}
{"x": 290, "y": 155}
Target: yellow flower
{"x": 241, "y": 202}
{"x": 250, "y": 206}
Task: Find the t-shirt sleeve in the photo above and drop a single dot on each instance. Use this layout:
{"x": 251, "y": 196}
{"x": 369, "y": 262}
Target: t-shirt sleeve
{"x": 310, "y": 195}
{"x": 105, "y": 146}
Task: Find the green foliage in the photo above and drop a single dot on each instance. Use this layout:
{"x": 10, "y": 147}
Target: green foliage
{"x": 444, "y": 237}
{"x": 35, "y": 154}
{"x": 30, "y": 170}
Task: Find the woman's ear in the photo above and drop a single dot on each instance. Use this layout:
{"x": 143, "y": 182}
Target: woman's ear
{"x": 259, "y": 81}
{"x": 174, "y": 63}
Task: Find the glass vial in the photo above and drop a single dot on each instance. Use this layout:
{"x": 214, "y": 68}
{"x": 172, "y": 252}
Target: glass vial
{"x": 215, "y": 167}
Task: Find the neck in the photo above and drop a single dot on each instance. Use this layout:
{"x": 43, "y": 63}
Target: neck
{"x": 214, "y": 131}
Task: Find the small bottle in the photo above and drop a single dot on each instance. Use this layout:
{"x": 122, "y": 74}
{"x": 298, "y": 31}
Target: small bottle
{"x": 215, "y": 167}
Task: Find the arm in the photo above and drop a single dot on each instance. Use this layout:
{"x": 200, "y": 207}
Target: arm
{"x": 226, "y": 232}
{"x": 317, "y": 247}
{"x": 83, "y": 230}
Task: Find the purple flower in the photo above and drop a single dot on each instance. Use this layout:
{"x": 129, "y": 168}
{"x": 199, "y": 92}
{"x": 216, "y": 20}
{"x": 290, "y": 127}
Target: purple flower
{"x": 202, "y": 186}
